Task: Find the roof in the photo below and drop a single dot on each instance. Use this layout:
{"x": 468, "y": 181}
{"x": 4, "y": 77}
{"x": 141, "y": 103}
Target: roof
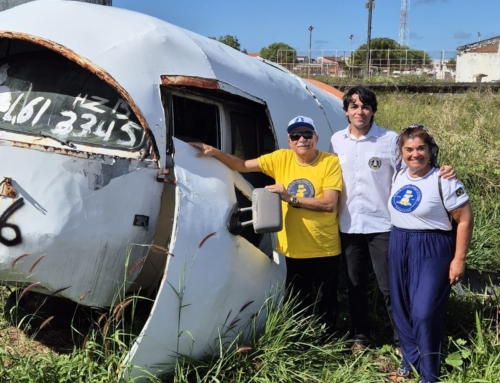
{"x": 491, "y": 48}
{"x": 483, "y": 46}
{"x": 253, "y": 54}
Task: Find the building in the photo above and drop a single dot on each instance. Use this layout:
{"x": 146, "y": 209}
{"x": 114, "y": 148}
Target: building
{"x": 479, "y": 61}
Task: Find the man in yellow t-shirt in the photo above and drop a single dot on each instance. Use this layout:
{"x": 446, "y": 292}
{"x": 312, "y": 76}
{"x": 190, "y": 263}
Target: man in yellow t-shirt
{"x": 309, "y": 182}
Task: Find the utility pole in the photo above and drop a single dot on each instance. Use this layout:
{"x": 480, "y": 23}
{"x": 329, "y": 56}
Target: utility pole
{"x": 370, "y": 4}
{"x": 311, "y": 27}
{"x": 350, "y": 52}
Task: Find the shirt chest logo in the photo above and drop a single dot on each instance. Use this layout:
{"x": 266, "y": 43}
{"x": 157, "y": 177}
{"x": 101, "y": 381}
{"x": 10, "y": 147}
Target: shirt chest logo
{"x": 406, "y": 199}
{"x": 301, "y": 188}
{"x": 375, "y": 163}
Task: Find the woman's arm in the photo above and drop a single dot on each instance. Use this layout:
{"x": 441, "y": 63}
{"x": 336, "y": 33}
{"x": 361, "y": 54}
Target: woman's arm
{"x": 465, "y": 219}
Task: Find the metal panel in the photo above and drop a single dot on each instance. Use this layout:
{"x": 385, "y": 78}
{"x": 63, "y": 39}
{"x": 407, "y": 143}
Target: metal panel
{"x": 213, "y": 280}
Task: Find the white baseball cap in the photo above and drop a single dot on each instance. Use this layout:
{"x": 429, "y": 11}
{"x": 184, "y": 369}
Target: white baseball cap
{"x": 300, "y": 122}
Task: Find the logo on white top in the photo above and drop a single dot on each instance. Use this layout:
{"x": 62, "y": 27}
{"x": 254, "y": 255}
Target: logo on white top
{"x": 406, "y": 199}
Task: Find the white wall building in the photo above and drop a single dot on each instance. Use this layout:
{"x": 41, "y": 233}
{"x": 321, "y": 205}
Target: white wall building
{"x": 479, "y": 61}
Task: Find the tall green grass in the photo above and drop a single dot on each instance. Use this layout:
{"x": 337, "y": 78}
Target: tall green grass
{"x": 292, "y": 347}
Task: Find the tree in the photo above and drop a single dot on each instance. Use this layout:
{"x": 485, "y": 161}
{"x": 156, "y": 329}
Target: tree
{"x": 231, "y": 41}
{"x": 451, "y": 64}
{"x": 387, "y": 52}
{"x": 279, "y": 52}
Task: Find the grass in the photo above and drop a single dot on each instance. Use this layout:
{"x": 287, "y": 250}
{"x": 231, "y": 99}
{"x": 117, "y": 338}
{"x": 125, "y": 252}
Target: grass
{"x": 290, "y": 348}
{"x": 294, "y": 348}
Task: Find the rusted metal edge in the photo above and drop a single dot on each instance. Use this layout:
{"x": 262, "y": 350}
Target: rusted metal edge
{"x": 196, "y": 82}
{"x": 99, "y": 72}
{"x": 89, "y": 153}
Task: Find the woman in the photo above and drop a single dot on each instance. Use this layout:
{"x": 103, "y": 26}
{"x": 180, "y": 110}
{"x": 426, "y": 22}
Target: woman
{"x": 426, "y": 254}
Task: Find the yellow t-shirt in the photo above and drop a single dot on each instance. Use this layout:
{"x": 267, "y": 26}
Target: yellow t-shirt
{"x": 306, "y": 233}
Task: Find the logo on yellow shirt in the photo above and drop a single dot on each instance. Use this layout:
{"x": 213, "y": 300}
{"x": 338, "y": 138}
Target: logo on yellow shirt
{"x": 301, "y": 188}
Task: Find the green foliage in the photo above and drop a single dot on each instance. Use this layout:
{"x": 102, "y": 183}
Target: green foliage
{"x": 451, "y": 63}
{"x": 385, "y": 50}
{"x": 279, "y": 52}
{"x": 95, "y": 357}
{"x": 231, "y": 41}
{"x": 476, "y": 359}
{"x": 292, "y": 347}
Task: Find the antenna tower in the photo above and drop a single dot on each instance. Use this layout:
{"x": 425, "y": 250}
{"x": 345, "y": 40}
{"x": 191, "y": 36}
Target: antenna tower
{"x": 404, "y": 23}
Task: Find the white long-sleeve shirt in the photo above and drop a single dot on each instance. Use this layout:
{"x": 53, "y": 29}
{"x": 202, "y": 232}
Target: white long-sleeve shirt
{"x": 368, "y": 164}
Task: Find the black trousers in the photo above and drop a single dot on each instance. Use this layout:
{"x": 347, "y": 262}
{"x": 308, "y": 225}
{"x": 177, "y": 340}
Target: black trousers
{"x": 361, "y": 253}
{"x": 315, "y": 282}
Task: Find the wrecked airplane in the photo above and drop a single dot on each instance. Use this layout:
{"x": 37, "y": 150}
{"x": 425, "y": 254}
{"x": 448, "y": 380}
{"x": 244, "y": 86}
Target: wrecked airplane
{"x": 96, "y": 106}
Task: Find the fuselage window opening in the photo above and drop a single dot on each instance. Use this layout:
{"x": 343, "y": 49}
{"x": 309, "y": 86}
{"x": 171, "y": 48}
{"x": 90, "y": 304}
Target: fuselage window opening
{"x": 231, "y": 123}
{"x": 195, "y": 121}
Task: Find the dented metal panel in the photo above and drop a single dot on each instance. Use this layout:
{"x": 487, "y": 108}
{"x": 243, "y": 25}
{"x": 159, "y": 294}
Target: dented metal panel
{"x": 79, "y": 216}
{"x": 195, "y": 304}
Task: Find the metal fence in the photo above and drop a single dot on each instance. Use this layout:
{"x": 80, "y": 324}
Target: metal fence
{"x": 386, "y": 63}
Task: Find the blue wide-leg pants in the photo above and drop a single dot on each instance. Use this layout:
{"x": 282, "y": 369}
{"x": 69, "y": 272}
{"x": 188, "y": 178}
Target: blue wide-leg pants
{"x": 419, "y": 264}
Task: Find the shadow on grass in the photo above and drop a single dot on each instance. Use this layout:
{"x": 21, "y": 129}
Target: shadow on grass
{"x": 61, "y": 325}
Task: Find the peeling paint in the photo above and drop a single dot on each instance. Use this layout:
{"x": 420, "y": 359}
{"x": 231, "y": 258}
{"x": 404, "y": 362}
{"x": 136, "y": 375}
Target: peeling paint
{"x": 190, "y": 81}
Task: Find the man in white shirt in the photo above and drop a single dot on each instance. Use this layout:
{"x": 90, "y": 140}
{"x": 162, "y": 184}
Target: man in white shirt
{"x": 368, "y": 158}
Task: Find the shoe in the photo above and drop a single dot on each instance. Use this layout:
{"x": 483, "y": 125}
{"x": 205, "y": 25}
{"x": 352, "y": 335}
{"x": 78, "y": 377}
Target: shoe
{"x": 399, "y": 375}
{"x": 398, "y": 352}
{"x": 358, "y": 348}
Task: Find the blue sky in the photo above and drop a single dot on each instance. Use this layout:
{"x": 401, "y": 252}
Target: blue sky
{"x": 434, "y": 25}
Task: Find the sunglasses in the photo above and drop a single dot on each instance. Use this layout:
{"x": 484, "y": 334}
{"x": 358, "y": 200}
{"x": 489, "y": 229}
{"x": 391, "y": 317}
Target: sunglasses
{"x": 296, "y": 136}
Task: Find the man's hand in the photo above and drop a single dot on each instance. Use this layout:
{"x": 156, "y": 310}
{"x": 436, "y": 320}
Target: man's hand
{"x": 205, "y": 150}
{"x": 281, "y": 190}
{"x": 447, "y": 172}
{"x": 232, "y": 162}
